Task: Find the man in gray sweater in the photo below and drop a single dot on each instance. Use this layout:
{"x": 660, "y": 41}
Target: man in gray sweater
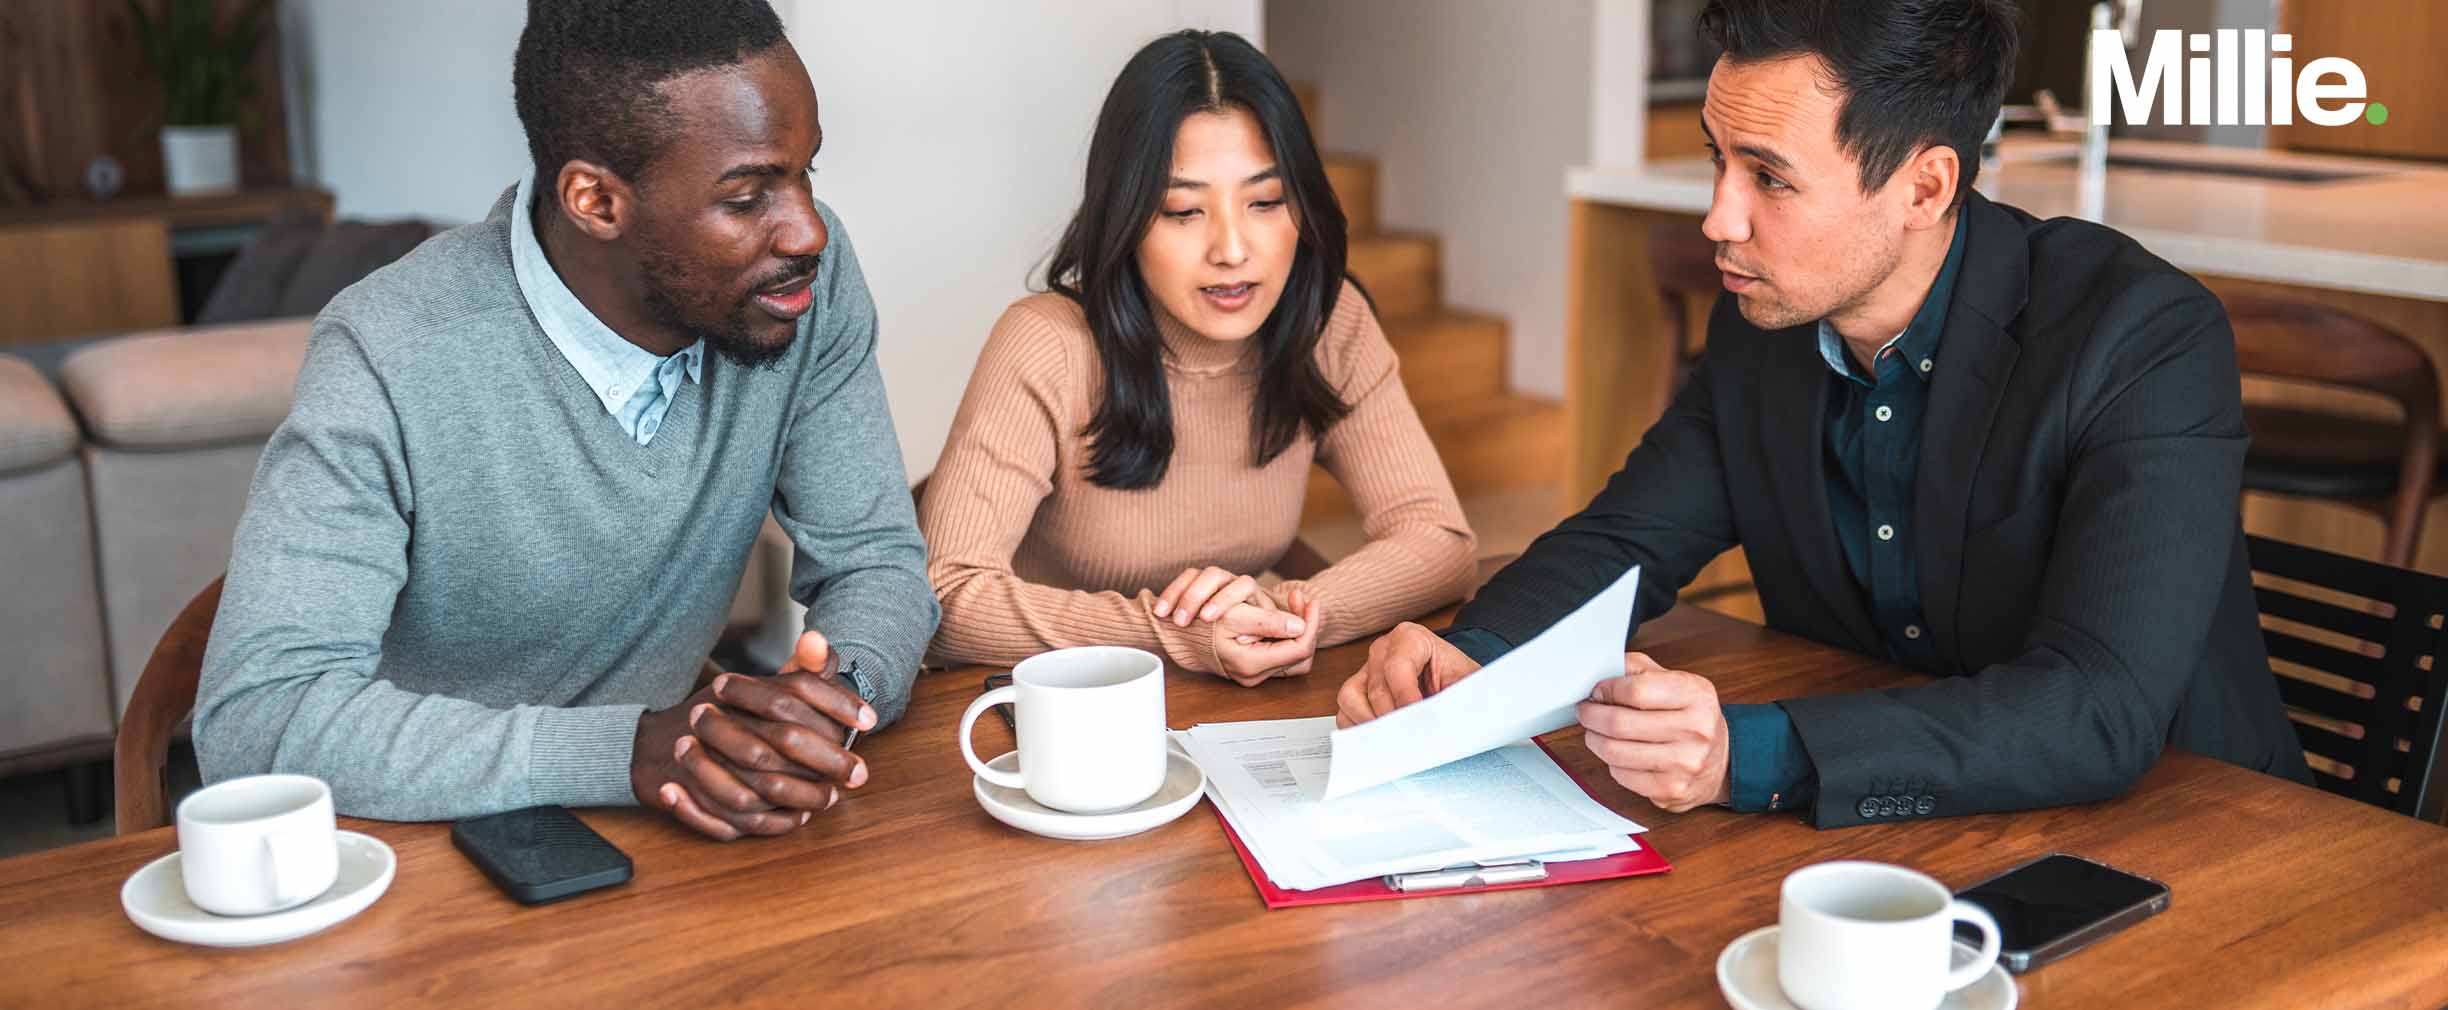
{"x": 485, "y": 558}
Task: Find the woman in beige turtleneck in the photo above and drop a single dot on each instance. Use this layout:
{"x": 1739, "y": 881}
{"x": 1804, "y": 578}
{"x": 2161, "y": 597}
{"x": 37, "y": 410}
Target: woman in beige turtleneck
{"x": 1134, "y": 445}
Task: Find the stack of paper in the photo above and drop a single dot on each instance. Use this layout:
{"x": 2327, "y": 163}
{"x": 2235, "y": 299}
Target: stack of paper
{"x": 1513, "y": 802}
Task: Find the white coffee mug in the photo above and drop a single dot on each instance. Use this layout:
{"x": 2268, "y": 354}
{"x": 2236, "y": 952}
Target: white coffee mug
{"x": 1869, "y": 936}
{"x": 258, "y": 844}
{"x": 1091, "y": 726}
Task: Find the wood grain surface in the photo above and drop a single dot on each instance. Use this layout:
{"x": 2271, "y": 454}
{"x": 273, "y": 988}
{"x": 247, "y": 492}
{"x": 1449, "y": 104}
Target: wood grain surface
{"x": 908, "y": 895}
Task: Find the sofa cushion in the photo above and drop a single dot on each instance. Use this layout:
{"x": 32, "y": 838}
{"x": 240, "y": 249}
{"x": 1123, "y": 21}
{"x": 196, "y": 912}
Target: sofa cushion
{"x": 35, "y": 426}
{"x": 342, "y": 255}
{"x": 254, "y": 283}
{"x": 184, "y": 387}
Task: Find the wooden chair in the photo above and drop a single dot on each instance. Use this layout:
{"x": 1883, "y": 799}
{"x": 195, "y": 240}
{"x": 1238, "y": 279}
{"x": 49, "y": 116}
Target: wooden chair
{"x": 1683, "y": 266}
{"x": 2388, "y": 470}
{"x": 2356, "y": 648}
{"x": 165, "y": 694}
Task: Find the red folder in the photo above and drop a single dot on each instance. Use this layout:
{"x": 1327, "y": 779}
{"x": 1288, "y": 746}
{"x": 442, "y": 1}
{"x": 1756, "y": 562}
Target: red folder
{"x": 1638, "y": 862}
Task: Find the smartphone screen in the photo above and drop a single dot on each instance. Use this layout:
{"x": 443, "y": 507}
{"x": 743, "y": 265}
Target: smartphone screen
{"x": 2054, "y": 905}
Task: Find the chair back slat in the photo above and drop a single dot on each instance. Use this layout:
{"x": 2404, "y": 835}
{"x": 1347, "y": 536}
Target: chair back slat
{"x": 2325, "y": 658}
{"x": 2338, "y": 747}
{"x": 2326, "y": 616}
{"x": 2378, "y": 733}
{"x": 2322, "y": 701}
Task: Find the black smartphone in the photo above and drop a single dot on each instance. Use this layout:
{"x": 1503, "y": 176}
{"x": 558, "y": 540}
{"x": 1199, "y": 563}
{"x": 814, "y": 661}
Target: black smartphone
{"x": 1005, "y": 710}
{"x": 2058, "y": 904}
{"x": 540, "y": 854}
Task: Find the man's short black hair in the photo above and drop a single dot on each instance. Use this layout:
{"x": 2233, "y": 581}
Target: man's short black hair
{"x": 1914, "y": 73}
{"x": 586, "y": 73}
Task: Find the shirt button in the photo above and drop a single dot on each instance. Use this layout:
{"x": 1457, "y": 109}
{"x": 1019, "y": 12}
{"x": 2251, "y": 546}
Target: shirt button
{"x": 649, "y": 428}
{"x": 1884, "y": 414}
{"x": 1886, "y": 532}
{"x": 1912, "y": 631}
{"x": 1924, "y": 805}
{"x": 1867, "y": 808}
{"x": 1925, "y": 364}
{"x": 613, "y": 392}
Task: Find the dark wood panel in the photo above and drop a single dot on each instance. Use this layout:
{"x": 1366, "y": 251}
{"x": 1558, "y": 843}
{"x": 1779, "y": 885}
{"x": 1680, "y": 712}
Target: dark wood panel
{"x": 74, "y": 85}
{"x": 2396, "y": 42}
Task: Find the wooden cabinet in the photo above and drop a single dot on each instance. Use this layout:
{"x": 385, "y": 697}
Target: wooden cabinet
{"x": 73, "y": 268}
{"x": 2396, "y": 42}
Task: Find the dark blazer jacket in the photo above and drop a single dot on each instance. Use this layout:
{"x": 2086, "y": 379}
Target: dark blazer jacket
{"x": 2082, "y": 564}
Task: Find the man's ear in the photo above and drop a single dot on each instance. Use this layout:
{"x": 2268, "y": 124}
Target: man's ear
{"x": 1930, "y": 176}
{"x": 595, "y": 199}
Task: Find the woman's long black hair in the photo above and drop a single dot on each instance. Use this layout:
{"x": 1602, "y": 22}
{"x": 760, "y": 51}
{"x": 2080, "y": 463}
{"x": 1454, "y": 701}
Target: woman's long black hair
{"x": 1130, "y": 163}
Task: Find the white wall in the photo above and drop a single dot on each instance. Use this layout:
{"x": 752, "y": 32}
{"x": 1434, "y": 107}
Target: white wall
{"x": 1474, "y": 110}
{"x": 403, "y": 109}
{"x": 956, "y": 134}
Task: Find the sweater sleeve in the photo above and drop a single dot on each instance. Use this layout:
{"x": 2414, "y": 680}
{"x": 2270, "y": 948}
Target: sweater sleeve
{"x": 1420, "y": 553}
{"x": 289, "y": 681}
{"x": 998, "y": 465}
{"x": 842, "y": 496}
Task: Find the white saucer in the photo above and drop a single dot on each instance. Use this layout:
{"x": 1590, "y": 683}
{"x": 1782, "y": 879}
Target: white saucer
{"x": 1184, "y": 783}
{"x": 1747, "y": 974}
{"x": 156, "y": 898}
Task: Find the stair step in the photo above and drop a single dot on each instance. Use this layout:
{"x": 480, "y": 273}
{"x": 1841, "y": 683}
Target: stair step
{"x": 1449, "y": 356}
{"x": 1505, "y": 521}
{"x": 1486, "y": 444}
{"x": 1399, "y": 270}
{"x": 1354, "y": 177}
{"x": 1306, "y": 94}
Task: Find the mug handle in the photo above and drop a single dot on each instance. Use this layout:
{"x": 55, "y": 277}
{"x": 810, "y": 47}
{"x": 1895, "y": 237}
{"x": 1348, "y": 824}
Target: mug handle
{"x": 999, "y": 696}
{"x": 287, "y": 852}
{"x": 1965, "y": 911}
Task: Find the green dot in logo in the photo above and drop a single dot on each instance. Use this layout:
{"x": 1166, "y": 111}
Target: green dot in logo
{"x": 2375, "y": 113}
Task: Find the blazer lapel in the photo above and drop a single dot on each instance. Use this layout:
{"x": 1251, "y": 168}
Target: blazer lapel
{"x": 1976, "y": 355}
{"x": 1795, "y": 389}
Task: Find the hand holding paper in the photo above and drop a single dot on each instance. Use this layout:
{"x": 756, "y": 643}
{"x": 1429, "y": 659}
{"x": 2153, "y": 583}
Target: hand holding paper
{"x": 1531, "y": 690}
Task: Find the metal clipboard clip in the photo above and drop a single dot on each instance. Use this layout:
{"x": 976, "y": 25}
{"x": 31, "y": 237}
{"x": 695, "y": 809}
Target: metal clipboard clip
{"x": 1514, "y": 871}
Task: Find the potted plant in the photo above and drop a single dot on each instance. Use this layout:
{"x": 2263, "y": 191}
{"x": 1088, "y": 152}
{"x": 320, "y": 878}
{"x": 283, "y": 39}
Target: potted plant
{"x": 207, "y": 75}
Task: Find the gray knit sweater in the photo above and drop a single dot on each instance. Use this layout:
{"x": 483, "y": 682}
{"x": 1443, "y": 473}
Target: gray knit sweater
{"x": 458, "y": 583}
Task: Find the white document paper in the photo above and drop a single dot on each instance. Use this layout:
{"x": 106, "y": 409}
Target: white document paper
{"x": 1528, "y": 691}
{"x": 1268, "y": 778}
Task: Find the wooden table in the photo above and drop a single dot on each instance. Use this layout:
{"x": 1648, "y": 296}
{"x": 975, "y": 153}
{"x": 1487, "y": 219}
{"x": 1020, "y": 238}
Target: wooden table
{"x": 908, "y": 895}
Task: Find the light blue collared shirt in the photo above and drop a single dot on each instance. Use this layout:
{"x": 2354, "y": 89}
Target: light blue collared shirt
{"x": 636, "y": 387}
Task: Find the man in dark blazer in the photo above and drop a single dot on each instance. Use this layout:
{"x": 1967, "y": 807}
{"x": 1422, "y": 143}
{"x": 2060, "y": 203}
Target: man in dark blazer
{"x": 2002, "y": 451}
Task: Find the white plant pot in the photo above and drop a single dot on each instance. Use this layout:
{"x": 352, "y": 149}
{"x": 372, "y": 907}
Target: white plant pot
{"x": 198, "y": 160}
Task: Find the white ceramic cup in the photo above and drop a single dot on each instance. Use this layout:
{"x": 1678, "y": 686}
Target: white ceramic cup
{"x": 1091, "y": 726}
{"x": 1869, "y": 936}
{"x": 258, "y": 844}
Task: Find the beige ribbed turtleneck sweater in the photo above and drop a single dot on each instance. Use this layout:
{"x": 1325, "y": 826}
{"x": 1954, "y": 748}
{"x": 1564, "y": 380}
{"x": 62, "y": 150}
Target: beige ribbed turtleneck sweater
{"x": 1027, "y": 555}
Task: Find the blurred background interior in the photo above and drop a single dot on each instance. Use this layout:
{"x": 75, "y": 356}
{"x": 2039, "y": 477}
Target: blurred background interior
{"x": 1521, "y": 179}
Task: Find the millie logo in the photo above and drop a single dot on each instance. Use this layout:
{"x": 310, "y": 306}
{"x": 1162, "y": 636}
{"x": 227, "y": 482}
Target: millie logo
{"x": 2256, "y": 82}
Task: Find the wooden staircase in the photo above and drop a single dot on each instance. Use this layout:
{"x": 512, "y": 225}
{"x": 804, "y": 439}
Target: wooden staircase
{"x": 1493, "y": 441}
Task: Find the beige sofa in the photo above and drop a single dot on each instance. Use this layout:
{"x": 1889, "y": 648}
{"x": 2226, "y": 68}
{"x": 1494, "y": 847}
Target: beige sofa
{"x": 55, "y": 706}
{"x": 113, "y": 518}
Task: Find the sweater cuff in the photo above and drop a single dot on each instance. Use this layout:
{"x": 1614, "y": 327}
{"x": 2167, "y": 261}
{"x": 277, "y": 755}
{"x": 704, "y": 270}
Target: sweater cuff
{"x": 1190, "y": 648}
{"x": 579, "y": 757}
{"x": 872, "y": 678}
